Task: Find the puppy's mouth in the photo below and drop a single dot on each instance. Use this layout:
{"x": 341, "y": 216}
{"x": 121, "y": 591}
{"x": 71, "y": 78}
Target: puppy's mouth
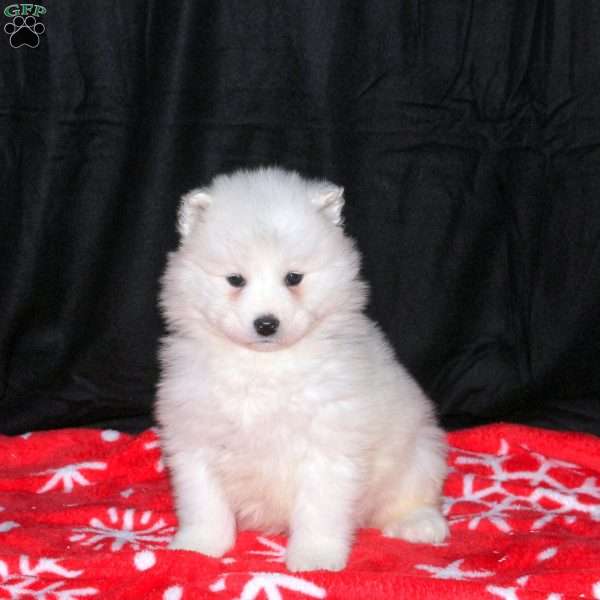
{"x": 266, "y": 345}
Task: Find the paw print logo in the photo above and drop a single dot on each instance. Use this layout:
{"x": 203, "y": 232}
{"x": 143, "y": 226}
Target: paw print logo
{"x": 24, "y": 31}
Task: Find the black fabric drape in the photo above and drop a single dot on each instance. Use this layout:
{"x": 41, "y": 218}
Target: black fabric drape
{"x": 466, "y": 134}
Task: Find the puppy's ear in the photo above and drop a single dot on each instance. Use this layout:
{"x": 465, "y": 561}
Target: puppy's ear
{"x": 192, "y": 206}
{"x": 330, "y": 201}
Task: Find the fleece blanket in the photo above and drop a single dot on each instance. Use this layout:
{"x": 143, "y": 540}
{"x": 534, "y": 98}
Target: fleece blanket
{"x": 88, "y": 514}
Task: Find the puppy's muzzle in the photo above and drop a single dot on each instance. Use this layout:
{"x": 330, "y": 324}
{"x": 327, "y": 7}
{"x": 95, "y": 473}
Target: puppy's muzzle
{"x": 266, "y": 325}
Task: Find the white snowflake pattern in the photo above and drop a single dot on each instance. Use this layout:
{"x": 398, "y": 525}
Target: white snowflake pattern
{"x": 275, "y": 553}
{"x": 7, "y": 525}
{"x": 453, "y": 571}
{"x": 144, "y": 560}
{"x": 270, "y": 585}
{"x": 69, "y": 475}
{"x": 497, "y": 503}
{"x": 508, "y": 593}
{"x": 125, "y": 528}
{"x": 175, "y": 592}
{"x": 159, "y": 465}
{"x": 547, "y": 554}
{"x": 26, "y": 582}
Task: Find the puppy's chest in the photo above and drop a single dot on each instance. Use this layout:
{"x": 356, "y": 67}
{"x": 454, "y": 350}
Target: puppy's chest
{"x": 265, "y": 419}
{"x": 269, "y": 412}
{"x": 269, "y": 454}
{"x": 265, "y": 423}
{"x": 250, "y": 397}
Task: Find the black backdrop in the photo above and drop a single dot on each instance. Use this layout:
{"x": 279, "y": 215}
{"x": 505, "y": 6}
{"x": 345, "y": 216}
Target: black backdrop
{"x": 467, "y": 136}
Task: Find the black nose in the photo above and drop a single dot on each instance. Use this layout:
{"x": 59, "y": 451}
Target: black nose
{"x": 266, "y": 325}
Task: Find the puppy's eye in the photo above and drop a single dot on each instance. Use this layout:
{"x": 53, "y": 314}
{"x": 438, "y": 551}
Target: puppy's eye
{"x": 236, "y": 280}
{"x": 292, "y": 279}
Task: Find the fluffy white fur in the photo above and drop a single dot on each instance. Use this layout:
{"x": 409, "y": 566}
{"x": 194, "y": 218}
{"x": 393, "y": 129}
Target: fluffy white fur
{"x": 315, "y": 430}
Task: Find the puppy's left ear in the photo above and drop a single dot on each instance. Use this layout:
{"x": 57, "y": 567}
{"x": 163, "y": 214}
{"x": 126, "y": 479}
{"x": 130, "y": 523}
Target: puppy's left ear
{"x": 330, "y": 201}
{"x": 193, "y": 204}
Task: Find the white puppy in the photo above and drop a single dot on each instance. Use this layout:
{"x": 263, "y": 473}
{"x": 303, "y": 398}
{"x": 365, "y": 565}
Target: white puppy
{"x": 281, "y": 405}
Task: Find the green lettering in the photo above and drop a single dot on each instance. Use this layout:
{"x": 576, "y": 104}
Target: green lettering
{"x": 12, "y": 10}
{"x": 39, "y": 10}
{"x": 26, "y": 9}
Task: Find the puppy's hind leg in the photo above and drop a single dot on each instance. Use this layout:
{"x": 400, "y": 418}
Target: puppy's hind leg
{"x": 411, "y": 510}
{"x": 422, "y": 525}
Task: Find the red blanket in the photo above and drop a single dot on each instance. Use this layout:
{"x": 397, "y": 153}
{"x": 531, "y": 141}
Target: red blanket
{"x": 87, "y": 514}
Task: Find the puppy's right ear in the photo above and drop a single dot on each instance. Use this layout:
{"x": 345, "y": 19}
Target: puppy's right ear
{"x": 330, "y": 201}
{"x": 192, "y": 206}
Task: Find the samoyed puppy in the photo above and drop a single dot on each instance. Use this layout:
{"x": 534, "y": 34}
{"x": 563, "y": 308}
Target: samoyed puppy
{"x": 281, "y": 406}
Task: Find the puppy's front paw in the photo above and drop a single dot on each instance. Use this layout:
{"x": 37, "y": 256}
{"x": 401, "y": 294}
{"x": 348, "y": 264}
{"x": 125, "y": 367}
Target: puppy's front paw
{"x": 205, "y": 540}
{"x": 316, "y": 553}
{"x": 423, "y": 526}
